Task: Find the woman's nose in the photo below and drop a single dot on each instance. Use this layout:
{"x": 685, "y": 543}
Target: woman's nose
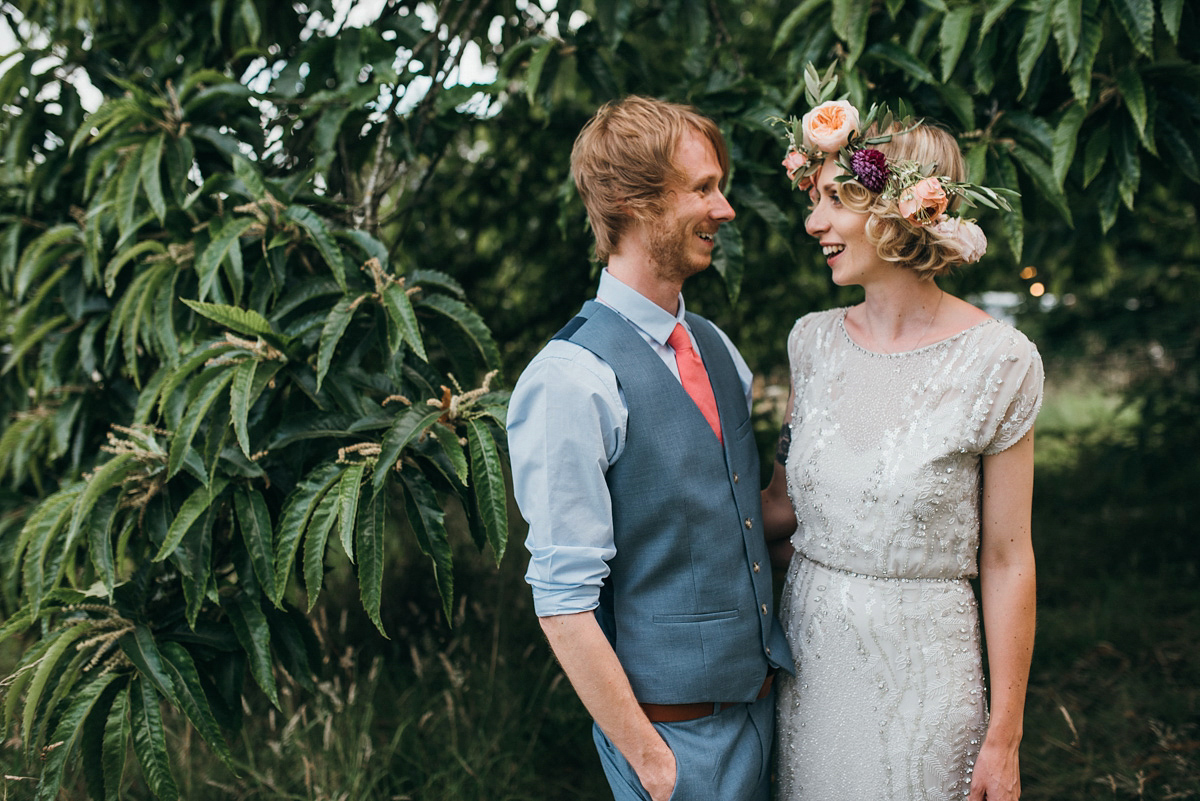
{"x": 815, "y": 223}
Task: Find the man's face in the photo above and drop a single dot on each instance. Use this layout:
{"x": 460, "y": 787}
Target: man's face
{"x": 681, "y": 240}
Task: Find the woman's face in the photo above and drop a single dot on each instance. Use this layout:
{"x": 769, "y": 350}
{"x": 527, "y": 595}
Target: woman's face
{"x": 840, "y": 231}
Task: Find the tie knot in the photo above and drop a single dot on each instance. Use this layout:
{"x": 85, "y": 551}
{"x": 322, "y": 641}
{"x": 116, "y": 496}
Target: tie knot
{"x": 679, "y": 339}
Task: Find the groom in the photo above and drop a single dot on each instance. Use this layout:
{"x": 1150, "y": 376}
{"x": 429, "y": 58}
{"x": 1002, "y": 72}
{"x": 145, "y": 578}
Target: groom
{"x": 635, "y": 465}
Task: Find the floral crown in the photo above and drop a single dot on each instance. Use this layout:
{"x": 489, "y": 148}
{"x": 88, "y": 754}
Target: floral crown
{"x": 922, "y": 197}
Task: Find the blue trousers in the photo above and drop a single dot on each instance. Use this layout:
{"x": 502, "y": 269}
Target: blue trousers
{"x": 721, "y": 757}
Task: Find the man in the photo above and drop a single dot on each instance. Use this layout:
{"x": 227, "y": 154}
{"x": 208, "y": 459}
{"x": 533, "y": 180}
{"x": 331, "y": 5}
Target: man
{"x": 648, "y": 566}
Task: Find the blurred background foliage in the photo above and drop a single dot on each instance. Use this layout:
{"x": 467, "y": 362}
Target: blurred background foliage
{"x": 373, "y": 199}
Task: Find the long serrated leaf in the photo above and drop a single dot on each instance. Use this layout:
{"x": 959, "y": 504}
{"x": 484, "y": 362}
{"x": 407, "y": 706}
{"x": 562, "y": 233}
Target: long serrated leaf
{"x": 1014, "y": 221}
{"x": 197, "y": 410}
{"x": 188, "y": 689}
{"x": 127, "y": 184}
{"x": 427, "y": 520}
{"x": 150, "y": 174}
{"x": 1042, "y": 176}
{"x": 849, "y": 19}
{"x": 40, "y": 535}
{"x": 115, "y": 745}
{"x": 46, "y": 667}
{"x": 38, "y": 256}
{"x": 191, "y": 510}
{"x": 1133, "y": 94}
{"x": 100, "y": 546}
{"x": 240, "y": 401}
{"x": 900, "y": 57}
{"x": 1066, "y": 18}
{"x": 107, "y": 476}
{"x": 487, "y": 481}
{"x": 349, "y": 489}
{"x": 729, "y": 259}
{"x": 447, "y": 438}
{"x": 315, "y": 538}
{"x": 1033, "y": 41}
{"x": 1137, "y": 18}
{"x": 1090, "y": 37}
{"x": 210, "y": 259}
{"x": 68, "y": 733}
{"x": 254, "y": 635}
{"x": 1066, "y": 138}
{"x": 150, "y": 742}
{"x": 244, "y": 321}
{"x": 400, "y": 313}
{"x": 316, "y": 228}
{"x": 254, "y": 520}
{"x": 32, "y": 339}
{"x": 124, "y": 257}
{"x": 1095, "y": 153}
{"x": 409, "y": 425}
{"x": 952, "y": 38}
{"x": 469, "y": 321}
{"x": 369, "y": 547}
{"x": 297, "y": 511}
{"x": 1172, "y": 14}
{"x": 331, "y": 333}
{"x": 142, "y": 650}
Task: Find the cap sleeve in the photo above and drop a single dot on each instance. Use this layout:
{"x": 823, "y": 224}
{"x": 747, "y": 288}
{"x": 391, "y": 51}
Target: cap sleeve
{"x": 1015, "y": 390}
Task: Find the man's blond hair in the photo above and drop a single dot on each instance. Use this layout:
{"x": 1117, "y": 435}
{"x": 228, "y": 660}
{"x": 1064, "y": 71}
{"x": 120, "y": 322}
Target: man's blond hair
{"x": 623, "y": 162}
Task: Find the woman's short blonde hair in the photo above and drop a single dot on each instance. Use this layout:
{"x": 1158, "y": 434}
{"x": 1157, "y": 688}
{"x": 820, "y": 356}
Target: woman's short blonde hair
{"x": 917, "y": 247}
{"x": 623, "y": 162}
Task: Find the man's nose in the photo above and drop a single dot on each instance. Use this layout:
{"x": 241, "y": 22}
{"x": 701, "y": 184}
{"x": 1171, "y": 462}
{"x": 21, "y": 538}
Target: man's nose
{"x": 721, "y": 210}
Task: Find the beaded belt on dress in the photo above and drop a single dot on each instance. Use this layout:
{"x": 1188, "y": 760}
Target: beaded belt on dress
{"x": 853, "y": 574}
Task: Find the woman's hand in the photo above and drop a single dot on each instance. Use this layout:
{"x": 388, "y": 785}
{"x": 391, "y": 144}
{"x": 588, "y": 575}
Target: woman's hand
{"x": 997, "y": 774}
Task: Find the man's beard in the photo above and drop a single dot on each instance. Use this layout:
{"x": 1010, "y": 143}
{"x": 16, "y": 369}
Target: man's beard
{"x": 669, "y": 252}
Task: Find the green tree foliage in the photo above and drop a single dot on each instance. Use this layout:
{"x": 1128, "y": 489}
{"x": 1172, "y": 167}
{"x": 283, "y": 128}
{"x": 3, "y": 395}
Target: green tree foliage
{"x": 236, "y": 340}
{"x": 217, "y": 377}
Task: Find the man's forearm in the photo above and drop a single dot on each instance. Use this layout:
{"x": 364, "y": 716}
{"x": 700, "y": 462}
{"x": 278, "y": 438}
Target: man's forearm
{"x": 598, "y": 678}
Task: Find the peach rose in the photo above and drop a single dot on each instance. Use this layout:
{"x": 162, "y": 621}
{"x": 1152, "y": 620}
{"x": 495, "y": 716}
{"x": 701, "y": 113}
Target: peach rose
{"x": 924, "y": 201}
{"x": 793, "y": 162}
{"x": 828, "y": 126}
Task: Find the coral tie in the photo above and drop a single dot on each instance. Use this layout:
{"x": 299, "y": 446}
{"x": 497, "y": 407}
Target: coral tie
{"x": 694, "y": 377}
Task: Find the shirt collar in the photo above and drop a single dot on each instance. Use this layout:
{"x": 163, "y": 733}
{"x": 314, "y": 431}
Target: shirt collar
{"x": 638, "y": 309}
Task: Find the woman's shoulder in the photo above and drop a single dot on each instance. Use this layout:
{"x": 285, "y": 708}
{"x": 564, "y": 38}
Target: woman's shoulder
{"x": 818, "y": 322}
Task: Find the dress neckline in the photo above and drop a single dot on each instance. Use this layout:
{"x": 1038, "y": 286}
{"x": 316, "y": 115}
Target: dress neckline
{"x": 938, "y": 343}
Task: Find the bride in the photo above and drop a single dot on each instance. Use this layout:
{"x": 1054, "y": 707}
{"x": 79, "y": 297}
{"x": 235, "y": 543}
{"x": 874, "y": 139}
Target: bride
{"x": 905, "y": 470}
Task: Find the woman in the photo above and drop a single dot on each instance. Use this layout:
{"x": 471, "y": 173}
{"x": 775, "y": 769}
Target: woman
{"x": 911, "y": 453}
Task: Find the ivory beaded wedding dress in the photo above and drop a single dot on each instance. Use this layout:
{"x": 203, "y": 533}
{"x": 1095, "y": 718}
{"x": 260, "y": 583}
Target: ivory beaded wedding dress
{"x": 888, "y": 701}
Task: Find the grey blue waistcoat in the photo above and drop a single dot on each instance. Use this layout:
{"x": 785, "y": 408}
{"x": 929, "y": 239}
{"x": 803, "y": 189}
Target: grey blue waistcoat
{"x": 687, "y": 605}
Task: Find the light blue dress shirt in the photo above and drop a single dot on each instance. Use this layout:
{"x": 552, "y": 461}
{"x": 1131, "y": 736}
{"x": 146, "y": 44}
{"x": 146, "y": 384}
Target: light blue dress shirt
{"x": 566, "y": 427}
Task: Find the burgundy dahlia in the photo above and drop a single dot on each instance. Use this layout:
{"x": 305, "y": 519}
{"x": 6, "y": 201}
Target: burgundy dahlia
{"x": 870, "y": 169}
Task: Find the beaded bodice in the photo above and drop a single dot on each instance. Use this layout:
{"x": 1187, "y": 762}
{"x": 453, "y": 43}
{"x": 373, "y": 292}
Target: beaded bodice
{"x": 884, "y": 467}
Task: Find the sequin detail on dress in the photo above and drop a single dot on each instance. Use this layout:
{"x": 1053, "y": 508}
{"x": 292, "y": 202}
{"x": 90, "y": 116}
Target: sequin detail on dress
{"x": 884, "y": 471}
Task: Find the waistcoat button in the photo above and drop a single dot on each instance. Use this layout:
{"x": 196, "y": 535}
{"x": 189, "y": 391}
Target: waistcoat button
{"x": 756, "y": 567}
{"x": 749, "y": 523}
{"x": 735, "y": 478}
{"x": 764, "y": 609}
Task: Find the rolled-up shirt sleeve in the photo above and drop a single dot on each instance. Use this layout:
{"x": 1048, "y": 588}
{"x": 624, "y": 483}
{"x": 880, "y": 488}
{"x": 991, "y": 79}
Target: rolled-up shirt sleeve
{"x": 566, "y": 424}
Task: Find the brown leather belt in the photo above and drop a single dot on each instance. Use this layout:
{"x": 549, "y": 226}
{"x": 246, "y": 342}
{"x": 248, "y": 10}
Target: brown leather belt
{"x": 677, "y": 713}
